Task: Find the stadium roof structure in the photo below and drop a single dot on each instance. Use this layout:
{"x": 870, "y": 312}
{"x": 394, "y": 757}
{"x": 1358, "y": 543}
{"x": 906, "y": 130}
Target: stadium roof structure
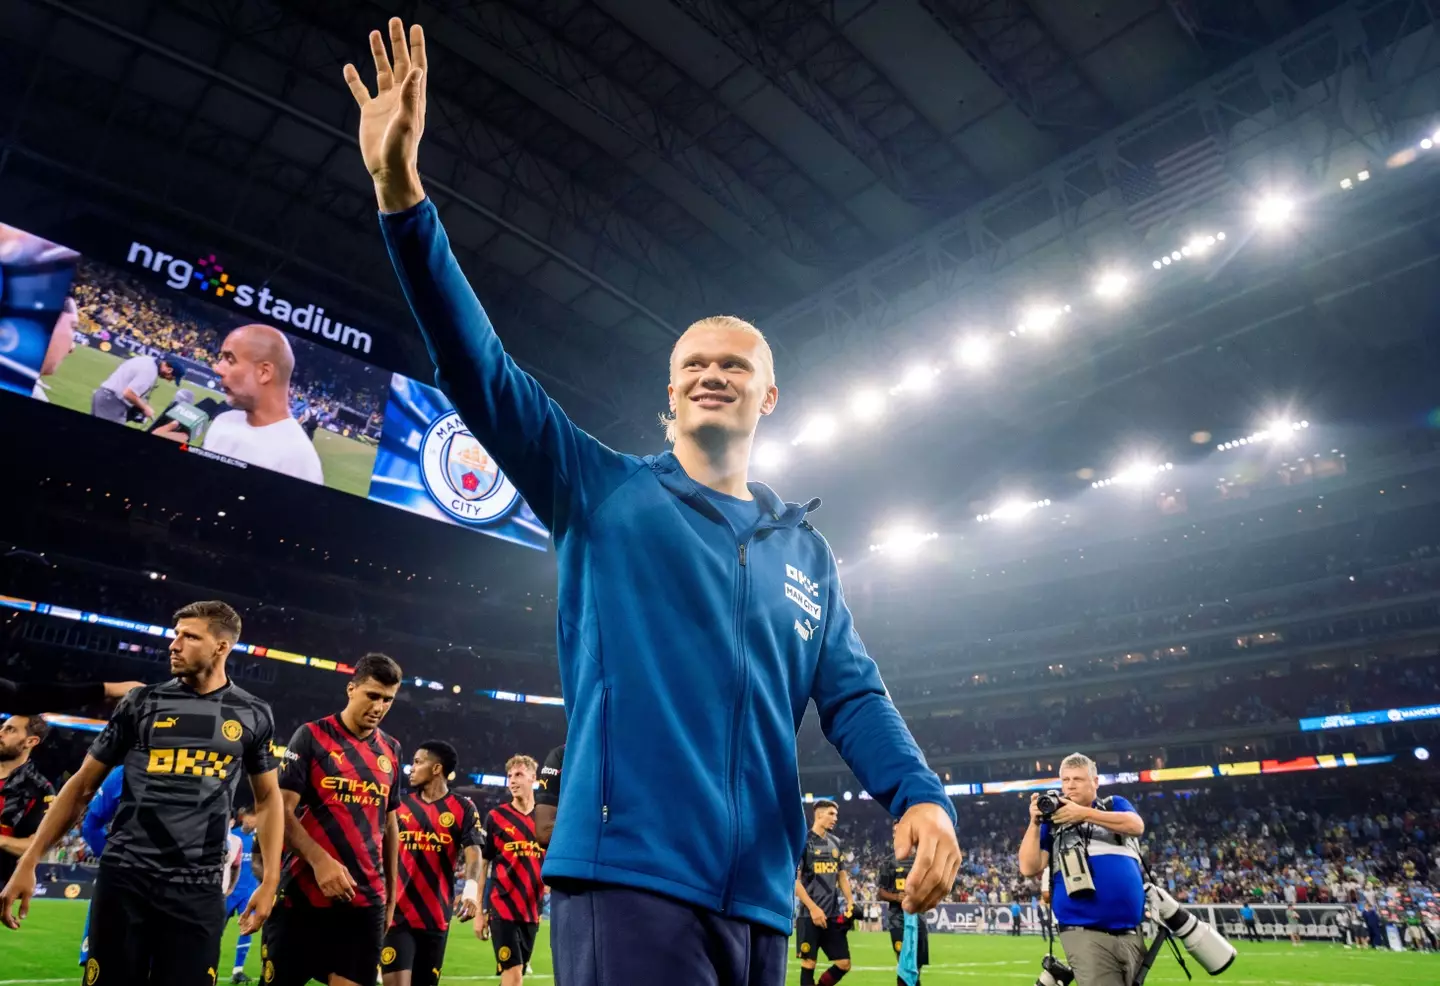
{"x": 863, "y": 178}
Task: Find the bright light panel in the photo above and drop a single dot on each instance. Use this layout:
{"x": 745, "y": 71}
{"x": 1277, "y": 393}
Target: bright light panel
{"x": 1040, "y": 318}
{"x": 767, "y": 455}
{"x": 975, "y": 352}
{"x": 918, "y": 379}
{"x": 818, "y": 430}
{"x": 1112, "y": 284}
{"x": 1275, "y": 210}
{"x": 868, "y": 404}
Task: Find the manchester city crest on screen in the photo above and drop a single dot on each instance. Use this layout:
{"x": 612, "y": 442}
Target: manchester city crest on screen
{"x": 430, "y": 464}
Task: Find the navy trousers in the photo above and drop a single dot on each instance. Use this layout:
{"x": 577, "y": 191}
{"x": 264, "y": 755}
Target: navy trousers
{"x": 603, "y": 935}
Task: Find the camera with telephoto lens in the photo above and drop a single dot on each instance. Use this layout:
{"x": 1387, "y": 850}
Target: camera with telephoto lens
{"x": 1049, "y": 803}
{"x": 1205, "y": 945}
{"x": 1053, "y": 972}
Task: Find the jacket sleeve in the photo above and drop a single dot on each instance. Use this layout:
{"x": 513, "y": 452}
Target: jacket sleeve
{"x": 859, "y": 719}
{"x": 96, "y": 824}
{"x": 557, "y": 467}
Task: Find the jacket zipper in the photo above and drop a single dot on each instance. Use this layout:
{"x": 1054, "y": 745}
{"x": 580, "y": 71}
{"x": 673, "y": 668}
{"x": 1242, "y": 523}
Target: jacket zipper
{"x": 605, "y": 754}
{"x": 733, "y": 781}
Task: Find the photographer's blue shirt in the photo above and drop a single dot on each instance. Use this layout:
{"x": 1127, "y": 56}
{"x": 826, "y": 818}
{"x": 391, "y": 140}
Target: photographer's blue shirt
{"x": 1119, "y": 898}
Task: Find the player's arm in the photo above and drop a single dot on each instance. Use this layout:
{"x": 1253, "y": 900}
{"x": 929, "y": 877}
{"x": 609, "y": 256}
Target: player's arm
{"x": 482, "y": 920}
{"x": 816, "y": 914}
{"x": 135, "y": 400}
{"x": 269, "y": 836}
{"x": 472, "y": 840}
{"x": 392, "y": 865}
{"x": 859, "y": 719}
{"x": 845, "y": 890}
{"x": 557, "y": 467}
{"x": 470, "y": 895}
{"x": 547, "y": 798}
{"x": 29, "y": 698}
{"x": 94, "y": 829}
{"x": 332, "y": 877}
{"x": 64, "y": 812}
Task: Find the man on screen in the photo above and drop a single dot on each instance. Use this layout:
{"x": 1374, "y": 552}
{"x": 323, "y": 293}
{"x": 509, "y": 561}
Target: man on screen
{"x": 124, "y": 393}
{"x": 254, "y": 367}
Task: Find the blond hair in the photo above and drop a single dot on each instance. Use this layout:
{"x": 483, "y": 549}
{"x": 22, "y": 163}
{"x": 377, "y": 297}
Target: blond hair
{"x": 734, "y": 323}
{"x": 1079, "y": 760}
{"x": 521, "y": 760}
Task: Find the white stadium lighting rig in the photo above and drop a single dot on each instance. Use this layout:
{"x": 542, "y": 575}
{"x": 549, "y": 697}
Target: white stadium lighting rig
{"x": 1012, "y": 510}
{"x": 901, "y": 541}
{"x": 1280, "y": 431}
{"x": 1136, "y": 475}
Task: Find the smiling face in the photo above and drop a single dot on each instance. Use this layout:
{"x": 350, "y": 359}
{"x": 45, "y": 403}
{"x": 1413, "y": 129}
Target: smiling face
{"x": 722, "y": 379}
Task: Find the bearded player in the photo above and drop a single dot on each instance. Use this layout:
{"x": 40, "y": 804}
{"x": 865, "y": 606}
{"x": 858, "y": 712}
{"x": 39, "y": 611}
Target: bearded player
{"x": 435, "y": 826}
{"x": 341, "y": 786}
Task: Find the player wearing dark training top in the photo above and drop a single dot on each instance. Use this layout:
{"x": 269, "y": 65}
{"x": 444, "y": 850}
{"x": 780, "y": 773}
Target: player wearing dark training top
{"x": 891, "y": 887}
{"x": 24, "y": 792}
{"x": 435, "y": 827}
{"x": 341, "y": 782}
{"x": 511, "y": 914}
{"x": 826, "y": 902}
{"x": 547, "y": 794}
{"x": 159, "y": 904}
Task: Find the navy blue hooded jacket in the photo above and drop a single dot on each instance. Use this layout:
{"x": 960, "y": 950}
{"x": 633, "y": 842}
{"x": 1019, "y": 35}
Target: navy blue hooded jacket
{"x": 688, "y": 650}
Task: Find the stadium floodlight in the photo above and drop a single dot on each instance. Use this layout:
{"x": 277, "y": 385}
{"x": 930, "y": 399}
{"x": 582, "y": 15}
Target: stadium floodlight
{"x": 1427, "y": 143}
{"x": 767, "y": 455}
{"x": 976, "y": 351}
{"x": 1276, "y": 210}
{"x": 901, "y": 541}
{"x": 1112, "y": 284}
{"x": 817, "y": 431}
{"x": 867, "y": 404}
{"x": 1039, "y": 319}
{"x": 917, "y": 380}
{"x": 1156, "y": 264}
{"x": 1166, "y": 260}
{"x": 1013, "y": 509}
{"x": 1176, "y": 254}
{"x": 1363, "y": 176}
{"x": 1346, "y": 183}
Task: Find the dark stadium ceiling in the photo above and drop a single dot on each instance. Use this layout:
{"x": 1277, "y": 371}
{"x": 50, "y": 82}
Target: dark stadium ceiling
{"x": 609, "y": 170}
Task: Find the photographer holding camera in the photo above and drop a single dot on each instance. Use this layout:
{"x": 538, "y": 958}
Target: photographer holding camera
{"x": 1098, "y": 889}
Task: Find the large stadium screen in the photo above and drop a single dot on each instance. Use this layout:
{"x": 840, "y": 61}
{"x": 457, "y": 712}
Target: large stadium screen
{"x": 191, "y": 353}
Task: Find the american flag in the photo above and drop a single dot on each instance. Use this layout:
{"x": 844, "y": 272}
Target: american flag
{"x": 1191, "y": 176}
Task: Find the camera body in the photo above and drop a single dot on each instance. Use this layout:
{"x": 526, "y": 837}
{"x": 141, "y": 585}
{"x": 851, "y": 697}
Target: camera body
{"x": 1053, "y": 972}
{"x": 1048, "y": 803}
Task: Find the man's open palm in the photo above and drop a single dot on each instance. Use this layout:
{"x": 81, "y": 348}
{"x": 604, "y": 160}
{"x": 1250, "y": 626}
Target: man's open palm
{"x": 392, "y": 120}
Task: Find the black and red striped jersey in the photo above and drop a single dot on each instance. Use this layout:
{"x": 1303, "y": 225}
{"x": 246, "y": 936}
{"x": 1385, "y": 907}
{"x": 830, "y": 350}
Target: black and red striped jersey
{"x": 24, "y": 797}
{"x": 346, "y": 786}
{"x": 433, "y": 837}
{"x": 510, "y": 843}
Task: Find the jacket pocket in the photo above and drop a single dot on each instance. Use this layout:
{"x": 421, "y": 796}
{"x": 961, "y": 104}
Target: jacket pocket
{"x": 605, "y": 754}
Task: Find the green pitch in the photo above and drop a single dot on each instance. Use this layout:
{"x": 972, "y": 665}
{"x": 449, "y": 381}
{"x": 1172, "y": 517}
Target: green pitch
{"x": 45, "y": 951}
{"x": 347, "y": 462}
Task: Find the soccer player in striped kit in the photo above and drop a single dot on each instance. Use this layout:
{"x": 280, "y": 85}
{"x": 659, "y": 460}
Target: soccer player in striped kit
{"x": 341, "y": 784}
{"x": 435, "y": 827}
{"x": 515, "y": 889}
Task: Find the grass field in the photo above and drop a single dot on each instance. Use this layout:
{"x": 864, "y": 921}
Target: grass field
{"x": 347, "y": 462}
{"x": 44, "y": 951}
